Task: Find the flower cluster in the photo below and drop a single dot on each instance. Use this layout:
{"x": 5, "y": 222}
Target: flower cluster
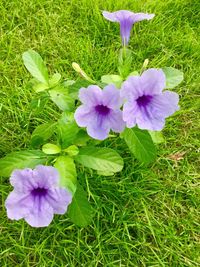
{"x": 140, "y": 101}
{"x": 145, "y": 105}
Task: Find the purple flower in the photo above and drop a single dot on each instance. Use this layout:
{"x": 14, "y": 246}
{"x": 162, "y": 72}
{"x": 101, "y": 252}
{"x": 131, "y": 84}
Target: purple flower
{"x": 126, "y": 19}
{"x": 100, "y": 111}
{"x": 36, "y": 196}
{"x": 146, "y": 104}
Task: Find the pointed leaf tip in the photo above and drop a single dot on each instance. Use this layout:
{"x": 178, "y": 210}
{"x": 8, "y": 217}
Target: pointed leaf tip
{"x": 36, "y": 66}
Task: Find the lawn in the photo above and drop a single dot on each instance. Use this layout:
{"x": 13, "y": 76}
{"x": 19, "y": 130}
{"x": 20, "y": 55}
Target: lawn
{"x": 144, "y": 216}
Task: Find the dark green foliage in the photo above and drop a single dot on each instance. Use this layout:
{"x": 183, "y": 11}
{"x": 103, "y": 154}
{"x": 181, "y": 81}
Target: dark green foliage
{"x": 80, "y": 211}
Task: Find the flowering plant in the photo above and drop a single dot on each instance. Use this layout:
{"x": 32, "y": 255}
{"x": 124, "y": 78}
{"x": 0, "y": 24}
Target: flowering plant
{"x": 133, "y": 104}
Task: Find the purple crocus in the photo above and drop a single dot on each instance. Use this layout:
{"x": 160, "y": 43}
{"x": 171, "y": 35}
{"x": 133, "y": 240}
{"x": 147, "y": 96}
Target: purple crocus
{"x": 126, "y": 19}
{"x": 100, "y": 111}
{"x": 147, "y": 105}
{"x": 36, "y": 196}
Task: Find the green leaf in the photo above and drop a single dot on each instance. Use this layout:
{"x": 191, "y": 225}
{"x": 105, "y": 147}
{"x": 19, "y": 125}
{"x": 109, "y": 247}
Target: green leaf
{"x": 51, "y": 149}
{"x": 125, "y": 62}
{"x": 81, "y": 138}
{"x": 38, "y": 103}
{"x": 80, "y": 211}
{"x": 67, "y": 170}
{"x": 35, "y": 65}
{"x": 157, "y": 137}
{"x": 72, "y": 150}
{"x": 42, "y": 133}
{"x": 68, "y": 83}
{"x": 40, "y": 87}
{"x": 100, "y": 159}
{"x": 105, "y": 173}
{"x": 134, "y": 73}
{"x": 60, "y": 96}
{"x": 112, "y": 79}
{"x": 173, "y": 77}
{"x": 82, "y": 73}
{"x": 54, "y": 80}
{"x": 21, "y": 160}
{"x": 67, "y": 130}
{"x": 75, "y": 87}
{"x": 140, "y": 144}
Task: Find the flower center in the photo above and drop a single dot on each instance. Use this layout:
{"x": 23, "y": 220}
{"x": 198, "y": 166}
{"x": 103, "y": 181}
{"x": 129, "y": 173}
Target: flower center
{"x": 144, "y": 100}
{"x": 40, "y": 192}
{"x": 102, "y": 110}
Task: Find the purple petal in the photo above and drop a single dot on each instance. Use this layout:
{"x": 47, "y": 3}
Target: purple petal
{"x": 147, "y": 118}
{"x": 59, "y": 199}
{"x": 131, "y": 89}
{"x": 153, "y": 82}
{"x": 99, "y": 128}
{"x": 46, "y": 176}
{"x": 147, "y": 106}
{"x": 121, "y": 15}
{"x": 111, "y": 97}
{"x": 90, "y": 96}
{"x": 150, "y": 118}
{"x": 22, "y": 180}
{"x": 118, "y": 16}
{"x": 95, "y": 116}
{"x": 142, "y": 16}
{"x": 165, "y": 104}
{"x": 153, "y": 124}
{"x": 18, "y": 205}
{"x": 130, "y": 109}
{"x": 41, "y": 214}
{"x": 116, "y": 122}
{"x": 126, "y": 19}
{"x": 84, "y": 115}
{"x": 37, "y": 196}
{"x": 97, "y": 133}
{"x": 125, "y": 30}
{"x": 111, "y": 16}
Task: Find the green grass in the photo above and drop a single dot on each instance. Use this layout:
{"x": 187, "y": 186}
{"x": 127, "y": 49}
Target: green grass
{"x": 144, "y": 216}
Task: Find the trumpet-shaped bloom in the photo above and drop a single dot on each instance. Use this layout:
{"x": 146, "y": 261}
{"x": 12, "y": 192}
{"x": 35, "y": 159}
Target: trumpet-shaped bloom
{"x": 100, "y": 111}
{"x": 146, "y": 104}
{"x": 36, "y": 196}
{"x": 126, "y": 19}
